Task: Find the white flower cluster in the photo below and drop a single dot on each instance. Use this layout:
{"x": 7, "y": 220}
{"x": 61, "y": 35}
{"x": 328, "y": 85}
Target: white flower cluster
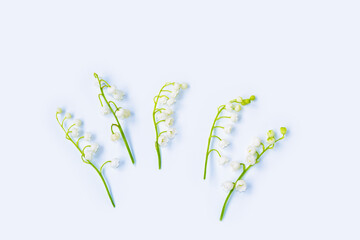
{"x": 115, "y": 93}
{"x": 164, "y": 113}
{"x": 232, "y": 109}
{"x": 251, "y": 153}
{"x": 74, "y": 131}
{"x": 239, "y": 185}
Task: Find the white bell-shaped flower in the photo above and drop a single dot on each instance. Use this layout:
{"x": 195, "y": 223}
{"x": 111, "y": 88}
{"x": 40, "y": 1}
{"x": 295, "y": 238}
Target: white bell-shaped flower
{"x": 256, "y": 142}
{"x": 223, "y": 143}
{"x": 169, "y": 121}
{"x": 250, "y": 159}
{"x": 235, "y": 165}
{"x": 163, "y": 140}
{"x": 229, "y": 107}
{"x": 111, "y": 90}
{"x": 162, "y": 100}
{"x": 228, "y": 128}
{"x": 68, "y": 115}
{"x": 171, "y": 133}
{"x": 240, "y": 185}
{"x": 105, "y": 110}
{"x": 115, "y": 163}
{"x": 234, "y": 117}
{"x": 222, "y": 160}
{"x": 118, "y": 95}
{"x": 75, "y": 132}
{"x": 177, "y": 86}
{"x": 227, "y": 186}
{"x": 184, "y": 85}
{"x": 87, "y": 136}
{"x": 115, "y": 136}
{"x": 78, "y": 122}
{"x": 161, "y": 116}
{"x": 94, "y": 147}
{"x": 170, "y": 101}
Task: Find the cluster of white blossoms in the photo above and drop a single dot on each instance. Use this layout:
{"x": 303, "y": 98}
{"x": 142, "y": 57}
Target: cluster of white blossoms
{"x": 163, "y": 112}
{"x": 74, "y": 131}
{"x": 239, "y": 185}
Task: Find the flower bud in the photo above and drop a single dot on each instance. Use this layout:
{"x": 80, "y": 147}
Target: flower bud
{"x": 283, "y": 130}
{"x": 271, "y": 133}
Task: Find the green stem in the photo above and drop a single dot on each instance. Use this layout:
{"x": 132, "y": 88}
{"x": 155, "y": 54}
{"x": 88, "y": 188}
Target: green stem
{"x": 120, "y": 128}
{"x": 231, "y": 191}
{"x": 103, "y": 180}
{"x": 157, "y": 147}
{"x": 89, "y": 162}
{"x": 242, "y": 175}
{"x": 209, "y": 141}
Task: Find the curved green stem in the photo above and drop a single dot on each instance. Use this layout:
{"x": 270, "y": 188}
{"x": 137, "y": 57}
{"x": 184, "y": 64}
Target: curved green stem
{"x": 242, "y": 175}
{"x": 119, "y": 127}
{"x": 211, "y": 135}
{"x": 87, "y": 161}
{"x": 104, "y": 182}
{"x": 157, "y": 147}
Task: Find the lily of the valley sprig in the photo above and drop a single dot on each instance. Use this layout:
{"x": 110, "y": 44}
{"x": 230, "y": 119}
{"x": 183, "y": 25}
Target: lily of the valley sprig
{"x": 231, "y": 114}
{"x": 253, "y": 155}
{"x": 162, "y": 114}
{"x": 118, "y": 112}
{"x": 86, "y": 148}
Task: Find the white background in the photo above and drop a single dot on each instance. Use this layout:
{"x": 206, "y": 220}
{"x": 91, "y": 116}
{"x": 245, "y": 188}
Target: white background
{"x": 300, "y": 58}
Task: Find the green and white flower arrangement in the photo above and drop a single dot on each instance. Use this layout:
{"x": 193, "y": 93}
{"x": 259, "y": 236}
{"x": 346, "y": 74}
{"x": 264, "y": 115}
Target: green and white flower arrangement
{"x": 162, "y": 114}
{"x": 253, "y": 154}
{"x": 110, "y": 107}
{"x": 227, "y": 112}
{"x": 84, "y": 145}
